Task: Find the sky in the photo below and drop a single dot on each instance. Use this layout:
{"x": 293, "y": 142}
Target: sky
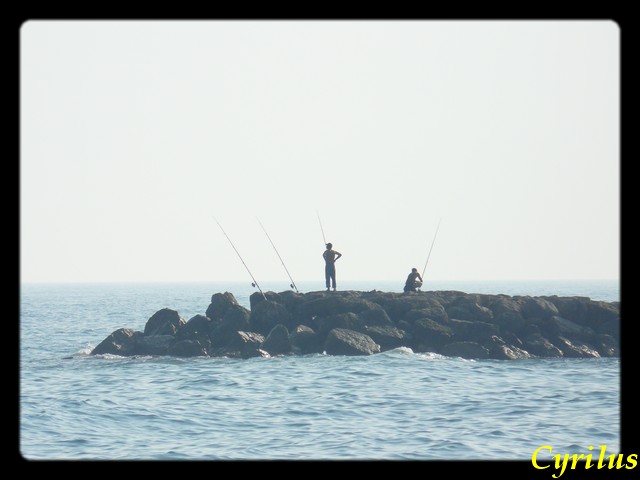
{"x": 136, "y": 136}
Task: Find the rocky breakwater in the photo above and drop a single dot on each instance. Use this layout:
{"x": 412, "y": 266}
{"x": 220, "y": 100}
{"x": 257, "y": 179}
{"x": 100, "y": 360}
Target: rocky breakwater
{"x": 451, "y": 323}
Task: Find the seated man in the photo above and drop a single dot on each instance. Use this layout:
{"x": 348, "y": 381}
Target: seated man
{"x": 412, "y": 284}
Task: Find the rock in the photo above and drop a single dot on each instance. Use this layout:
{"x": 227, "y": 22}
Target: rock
{"x": 604, "y": 318}
{"x": 436, "y": 313}
{"x": 203, "y": 339}
{"x": 569, "y": 329}
{"x": 349, "y": 321}
{"x": 242, "y": 339}
{"x": 607, "y": 346}
{"x": 572, "y": 308}
{"x": 187, "y": 348}
{"x": 164, "y": 322}
{"x": 277, "y": 342}
{"x": 474, "y": 331}
{"x": 511, "y": 339}
{"x": 508, "y": 352}
{"x": 154, "y": 344}
{"x": 220, "y": 303}
{"x": 467, "y": 309}
{"x": 341, "y": 341}
{"x": 537, "y": 307}
{"x": 506, "y": 314}
{"x": 388, "y": 337}
{"x": 290, "y": 299}
{"x": 305, "y": 341}
{"x": 469, "y": 350}
{"x": 266, "y": 315}
{"x": 256, "y": 297}
{"x": 429, "y": 336}
{"x": 507, "y": 327}
{"x": 445, "y": 297}
{"x": 332, "y": 304}
{"x": 196, "y": 324}
{"x": 236, "y": 317}
{"x": 610, "y": 327}
{"x": 375, "y": 317}
{"x": 501, "y": 350}
{"x": 245, "y": 344}
{"x": 121, "y": 342}
{"x": 398, "y": 305}
{"x": 539, "y": 346}
{"x": 257, "y": 352}
{"x": 575, "y": 349}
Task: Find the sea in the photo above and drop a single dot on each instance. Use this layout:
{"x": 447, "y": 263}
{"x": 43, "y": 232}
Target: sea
{"x": 396, "y": 405}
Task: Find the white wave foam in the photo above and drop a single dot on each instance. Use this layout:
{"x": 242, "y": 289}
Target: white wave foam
{"x": 431, "y": 356}
{"x": 83, "y": 352}
{"x": 109, "y": 356}
{"x": 400, "y": 351}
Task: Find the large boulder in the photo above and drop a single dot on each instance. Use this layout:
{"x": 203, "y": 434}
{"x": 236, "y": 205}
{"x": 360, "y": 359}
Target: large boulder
{"x": 574, "y": 308}
{"x": 610, "y": 327}
{"x": 198, "y": 324}
{"x": 449, "y": 298}
{"x": 332, "y": 304}
{"x": 327, "y": 323}
{"x": 341, "y": 341}
{"x": 604, "y": 318}
{"x": 245, "y": 345}
{"x": 469, "y": 350}
{"x": 499, "y": 349}
{"x": 277, "y": 342}
{"x": 235, "y": 319}
{"x": 266, "y": 315}
{"x": 540, "y": 346}
{"x": 507, "y": 352}
{"x": 220, "y": 303}
{"x": 388, "y": 337}
{"x": 154, "y": 344}
{"x": 506, "y": 314}
{"x": 607, "y": 346}
{"x": 574, "y": 349}
{"x": 256, "y": 297}
{"x": 467, "y": 309}
{"x": 429, "y": 336}
{"x": 121, "y": 342}
{"x": 375, "y": 318}
{"x": 187, "y": 348}
{"x": 397, "y": 306}
{"x": 290, "y": 299}
{"x": 537, "y": 307}
{"x": 475, "y": 331}
{"x": 164, "y": 322}
{"x": 601, "y": 317}
{"x": 304, "y": 340}
{"x": 435, "y": 312}
{"x": 569, "y": 329}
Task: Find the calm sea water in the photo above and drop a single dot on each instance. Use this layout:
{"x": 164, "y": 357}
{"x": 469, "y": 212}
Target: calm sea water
{"x": 393, "y": 405}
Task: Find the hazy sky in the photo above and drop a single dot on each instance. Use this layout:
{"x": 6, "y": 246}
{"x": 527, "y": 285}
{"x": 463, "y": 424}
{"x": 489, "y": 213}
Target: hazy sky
{"x": 135, "y": 135}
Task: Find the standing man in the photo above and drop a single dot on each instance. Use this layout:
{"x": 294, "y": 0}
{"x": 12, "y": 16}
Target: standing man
{"x": 330, "y": 256}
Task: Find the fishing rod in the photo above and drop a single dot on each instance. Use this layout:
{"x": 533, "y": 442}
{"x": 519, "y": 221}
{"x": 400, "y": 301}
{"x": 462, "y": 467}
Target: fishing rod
{"x": 321, "y": 229}
{"x": 434, "y": 241}
{"x": 293, "y": 284}
{"x": 255, "y": 283}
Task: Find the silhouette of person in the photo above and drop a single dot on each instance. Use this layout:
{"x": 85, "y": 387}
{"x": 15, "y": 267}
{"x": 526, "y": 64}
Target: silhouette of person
{"x": 330, "y": 256}
{"x": 412, "y": 283}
